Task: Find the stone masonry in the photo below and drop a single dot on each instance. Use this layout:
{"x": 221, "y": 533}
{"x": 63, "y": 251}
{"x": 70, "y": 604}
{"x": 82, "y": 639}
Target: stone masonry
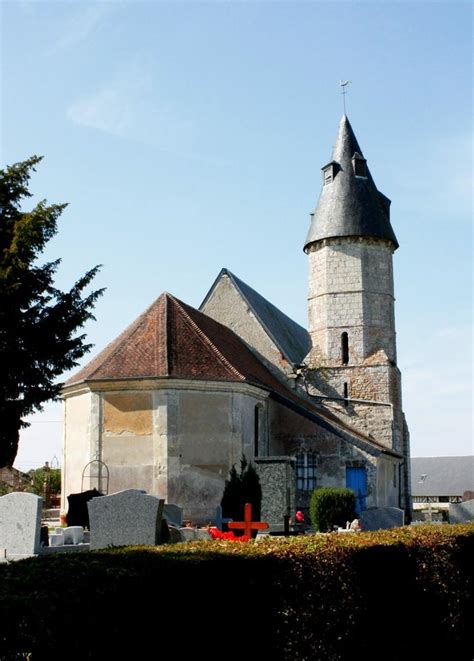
{"x": 351, "y": 288}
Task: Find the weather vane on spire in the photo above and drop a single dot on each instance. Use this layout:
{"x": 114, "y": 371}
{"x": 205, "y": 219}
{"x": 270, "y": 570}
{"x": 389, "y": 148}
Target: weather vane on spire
{"x": 344, "y": 84}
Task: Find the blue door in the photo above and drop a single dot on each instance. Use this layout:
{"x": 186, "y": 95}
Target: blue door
{"x": 356, "y": 479}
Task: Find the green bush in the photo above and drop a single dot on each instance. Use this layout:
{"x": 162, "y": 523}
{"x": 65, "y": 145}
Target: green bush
{"x": 328, "y": 597}
{"x": 321, "y": 597}
{"x": 53, "y": 475}
{"x": 330, "y": 507}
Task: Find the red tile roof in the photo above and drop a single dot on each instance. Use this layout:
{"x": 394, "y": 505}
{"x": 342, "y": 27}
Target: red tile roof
{"x": 172, "y": 339}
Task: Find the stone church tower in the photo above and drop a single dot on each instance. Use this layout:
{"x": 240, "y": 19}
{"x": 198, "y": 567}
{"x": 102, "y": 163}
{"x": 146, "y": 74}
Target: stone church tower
{"x": 352, "y": 366}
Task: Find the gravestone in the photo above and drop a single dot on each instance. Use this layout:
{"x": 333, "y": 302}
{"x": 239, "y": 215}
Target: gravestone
{"x": 173, "y": 514}
{"x": 187, "y": 534}
{"x": 247, "y": 525}
{"x": 459, "y": 512}
{"x": 78, "y": 514}
{"x": 126, "y": 518}
{"x": 73, "y": 535}
{"x": 20, "y": 524}
{"x": 380, "y": 518}
{"x": 220, "y": 520}
{"x": 194, "y": 534}
{"x": 278, "y": 483}
{"x": 175, "y": 535}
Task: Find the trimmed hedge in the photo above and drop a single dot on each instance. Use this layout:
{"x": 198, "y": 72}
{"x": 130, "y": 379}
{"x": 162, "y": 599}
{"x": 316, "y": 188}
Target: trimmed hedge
{"x": 316, "y": 597}
{"x": 331, "y": 506}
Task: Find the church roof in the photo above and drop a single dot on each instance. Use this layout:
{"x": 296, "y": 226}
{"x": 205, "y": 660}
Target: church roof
{"x": 174, "y": 340}
{"x": 350, "y": 204}
{"x": 290, "y": 338}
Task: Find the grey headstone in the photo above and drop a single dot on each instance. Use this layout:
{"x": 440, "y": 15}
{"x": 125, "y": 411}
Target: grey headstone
{"x": 126, "y": 518}
{"x": 175, "y": 535}
{"x": 194, "y": 534}
{"x": 382, "y": 517}
{"x": 56, "y": 539}
{"x": 73, "y": 535}
{"x": 188, "y": 534}
{"x": 277, "y": 480}
{"x": 20, "y": 523}
{"x": 202, "y": 534}
{"x": 173, "y": 514}
{"x": 458, "y": 512}
{"x": 219, "y": 521}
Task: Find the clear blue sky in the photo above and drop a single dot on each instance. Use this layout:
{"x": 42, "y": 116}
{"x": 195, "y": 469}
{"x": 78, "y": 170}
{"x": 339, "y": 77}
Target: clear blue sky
{"x": 189, "y": 136}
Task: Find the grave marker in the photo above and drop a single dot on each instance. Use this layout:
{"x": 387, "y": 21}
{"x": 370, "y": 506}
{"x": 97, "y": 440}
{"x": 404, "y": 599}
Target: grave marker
{"x": 247, "y": 525}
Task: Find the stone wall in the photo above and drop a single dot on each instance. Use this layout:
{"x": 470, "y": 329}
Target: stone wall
{"x": 127, "y": 439}
{"x": 351, "y": 290}
{"x": 177, "y": 442}
{"x": 278, "y": 482}
{"x": 80, "y": 436}
{"x": 227, "y": 306}
{"x": 292, "y": 434}
{"x": 377, "y": 385}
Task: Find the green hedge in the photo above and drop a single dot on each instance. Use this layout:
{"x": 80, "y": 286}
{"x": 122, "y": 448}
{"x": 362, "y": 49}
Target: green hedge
{"x": 331, "y": 506}
{"x": 399, "y": 594}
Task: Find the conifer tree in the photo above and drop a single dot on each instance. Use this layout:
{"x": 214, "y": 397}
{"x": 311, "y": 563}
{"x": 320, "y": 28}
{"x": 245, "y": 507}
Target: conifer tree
{"x": 251, "y": 489}
{"x": 241, "y": 489}
{"x": 38, "y": 322}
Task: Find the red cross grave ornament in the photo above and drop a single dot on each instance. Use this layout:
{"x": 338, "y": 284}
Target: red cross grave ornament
{"x": 248, "y": 525}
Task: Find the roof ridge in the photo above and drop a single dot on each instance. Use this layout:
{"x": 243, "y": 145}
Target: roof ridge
{"x": 165, "y": 339}
{"x": 205, "y": 338}
{"x": 236, "y": 280}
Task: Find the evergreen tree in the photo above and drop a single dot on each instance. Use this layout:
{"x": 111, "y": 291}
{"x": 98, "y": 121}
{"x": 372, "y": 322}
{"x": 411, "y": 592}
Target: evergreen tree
{"x": 241, "y": 489}
{"x": 231, "y": 503}
{"x": 38, "y": 322}
{"x": 251, "y": 489}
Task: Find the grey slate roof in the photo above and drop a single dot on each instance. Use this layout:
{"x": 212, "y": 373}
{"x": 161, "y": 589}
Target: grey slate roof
{"x": 350, "y": 205}
{"x": 445, "y": 476}
{"x": 291, "y": 339}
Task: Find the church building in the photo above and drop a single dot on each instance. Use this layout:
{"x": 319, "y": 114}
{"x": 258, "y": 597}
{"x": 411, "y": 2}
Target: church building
{"x": 182, "y": 394}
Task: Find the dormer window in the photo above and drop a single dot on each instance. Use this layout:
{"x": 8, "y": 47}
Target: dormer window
{"x": 360, "y": 165}
{"x": 329, "y": 172}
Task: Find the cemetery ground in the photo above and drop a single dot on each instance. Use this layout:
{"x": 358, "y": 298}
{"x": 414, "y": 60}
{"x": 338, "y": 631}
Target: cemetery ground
{"x": 402, "y": 593}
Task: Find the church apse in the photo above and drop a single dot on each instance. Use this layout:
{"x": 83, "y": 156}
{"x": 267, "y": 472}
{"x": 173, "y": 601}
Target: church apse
{"x": 127, "y": 440}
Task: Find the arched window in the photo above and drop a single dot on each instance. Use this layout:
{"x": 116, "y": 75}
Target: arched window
{"x": 256, "y": 430}
{"x": 345, "y": 348}
{"x": 306, "y": 471}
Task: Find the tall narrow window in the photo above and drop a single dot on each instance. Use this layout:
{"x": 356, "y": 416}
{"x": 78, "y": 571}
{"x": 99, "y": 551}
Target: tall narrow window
{"x": 256, "y": 430}
{"x": 346, "y": 392}
{"x": 345, "y": 348}
{"x": 306, "y": 471}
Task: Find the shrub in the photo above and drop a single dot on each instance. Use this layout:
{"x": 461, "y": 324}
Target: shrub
{"x": 330, "y": 507}
{"x": 327, "y": 597}
{"x": 241, "y": 489}
{"x": 53, "y": 475}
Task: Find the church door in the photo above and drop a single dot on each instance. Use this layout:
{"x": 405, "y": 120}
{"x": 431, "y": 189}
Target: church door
{"x": 356, "y": 479}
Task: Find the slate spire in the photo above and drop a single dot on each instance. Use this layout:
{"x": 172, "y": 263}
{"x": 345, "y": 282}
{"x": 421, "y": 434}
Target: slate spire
{"x": 350, "y": 204}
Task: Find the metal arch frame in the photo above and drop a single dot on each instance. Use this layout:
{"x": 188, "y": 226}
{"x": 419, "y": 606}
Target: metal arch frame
{"x": 100, "y": 477}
